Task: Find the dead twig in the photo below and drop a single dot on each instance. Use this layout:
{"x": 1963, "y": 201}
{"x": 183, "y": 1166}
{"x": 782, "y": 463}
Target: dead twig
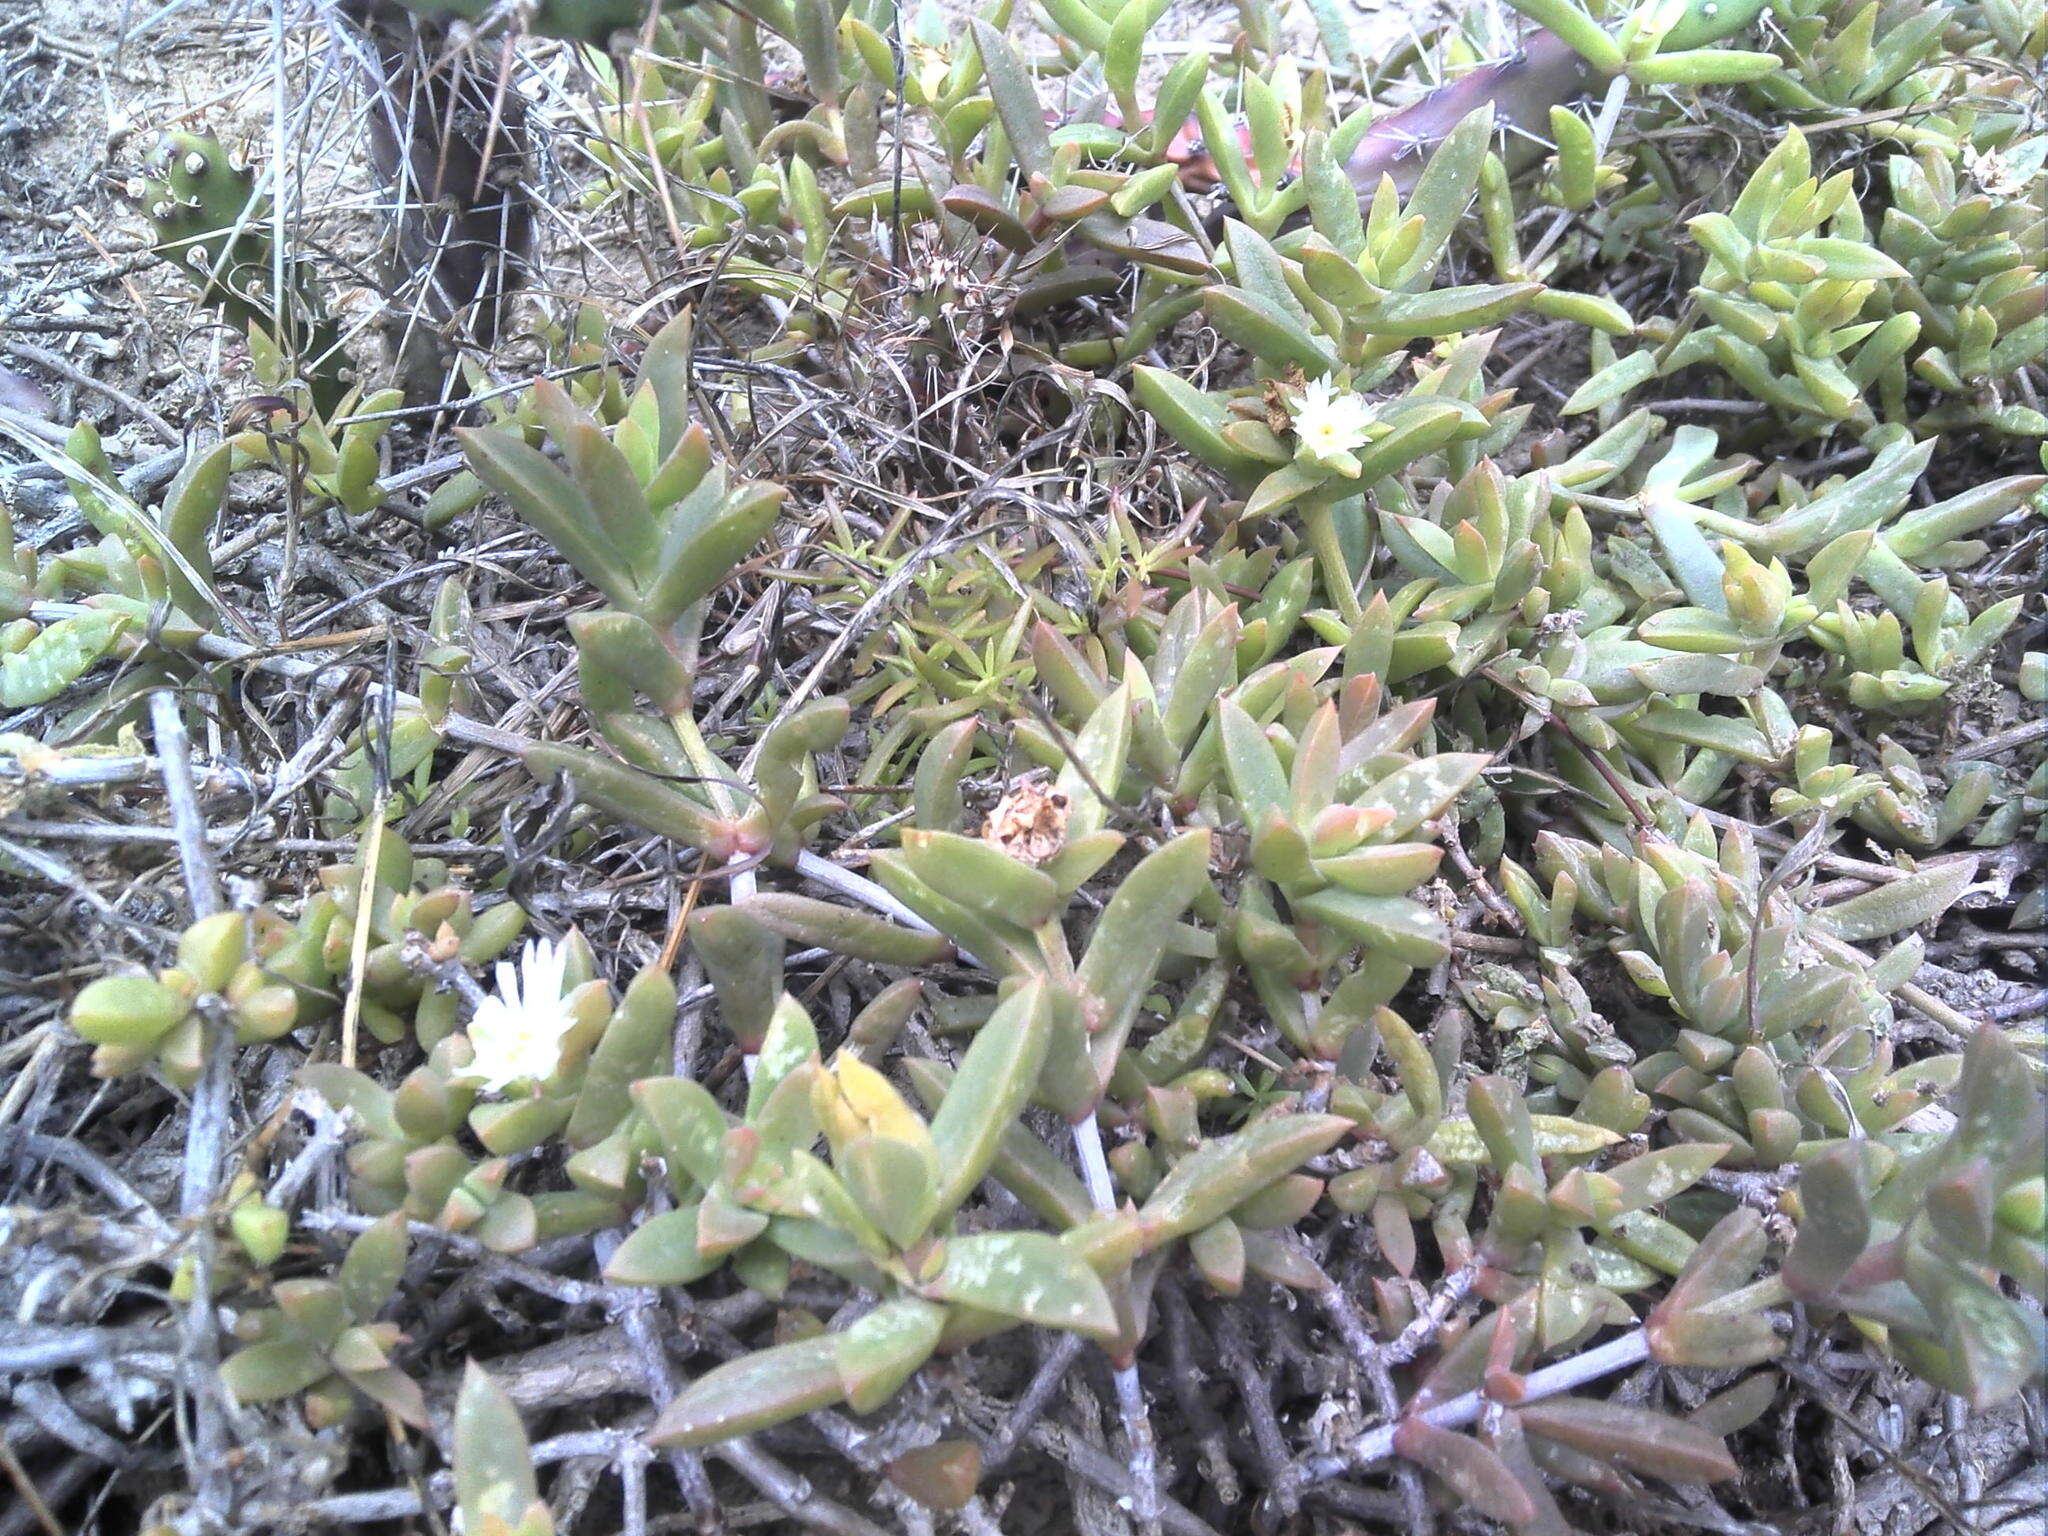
{"x": 206, "y": 1131}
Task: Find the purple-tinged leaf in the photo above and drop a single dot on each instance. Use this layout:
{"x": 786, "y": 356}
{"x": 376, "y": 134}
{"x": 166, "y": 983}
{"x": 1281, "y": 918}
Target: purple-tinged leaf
{"x": 1650, "y": 1443}
{"x": 941, "y": 1476}
{"x": 1726, "y": 1258}
{"x": 1470, "y": 1470}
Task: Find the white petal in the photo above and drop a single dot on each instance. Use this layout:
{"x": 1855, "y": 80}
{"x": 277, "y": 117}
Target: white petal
{"x": 517, "y": 1033}
{"x": 547, "y": 964}
{"x": 492, "y": 1016}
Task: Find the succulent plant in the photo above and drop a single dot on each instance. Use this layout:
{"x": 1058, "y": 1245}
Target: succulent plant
{"x": 322, "y": 1343}
{"x": 1910, "y": 1235}
{"x": 1144, "y": 715}
{"x": 881, "y": 1211}
{"x": 401, "y": 749}
{"x": 648, "y": 517}
{"x": 211, "y": 220}
{"x": 151, "y": 573}
{"x": 410, "y": 1155}
{"x": 264, "y": 976}
{"x": 337, "y": 465}
{"x": 249, "y": 971}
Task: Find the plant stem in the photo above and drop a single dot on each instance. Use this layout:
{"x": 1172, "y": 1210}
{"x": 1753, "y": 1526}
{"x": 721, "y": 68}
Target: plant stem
{"x": 1377, "y": 1445}
{"x": 1329, "y": 552}
{"x": 174, "y": 762}
{"x": 1130, "y": 1391}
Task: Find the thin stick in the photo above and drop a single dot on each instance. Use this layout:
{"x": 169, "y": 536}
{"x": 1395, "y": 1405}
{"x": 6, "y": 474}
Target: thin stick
{"x": 1186, "y": 1377}
{"x": 1130, "y": 1391}
{"x": 1030, "y": 1404}
{"x": 26, "y": 1079}
{"x": 174, "y": 761}
{"x": 792, "y": 1494}
{"x": 359, "y": 940}
{"x": 62, "y": 366}
{"x": 631, "y": 1461}
{"x": 1377, "y": 1445}
{"x": 25, "y": 1486}
{"x": 206, "y": 1131}
{"x": 1255, "y": 1401}
{"x": 2004, "y": 741}
{"x": 97, "y": 772}
{"x": 127, "y": 1201}
{"x": 635, "y": 1309}
{"x": 672, "y": 946}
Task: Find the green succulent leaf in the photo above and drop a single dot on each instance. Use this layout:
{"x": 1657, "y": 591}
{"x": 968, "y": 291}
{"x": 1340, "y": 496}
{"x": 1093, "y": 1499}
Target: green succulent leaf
{"x": 662, "y": 1250}
{"x": 494, "y": 1479}
{"x": 990, "y": 1090}
{"x": 1900, "y": 904}
{"x": 1395, "y": 926}
{"x": 57, "y": 657}
{"x": 265, "y": 1372}
{"x": 1458, "y": 1142}
{"x": 981, "y": 877}
{"x": 1030, "y": 1277}
{"x": 884, "y": 1349}
{"x": 546, "y": 497}
{"x": 1132, "y": 936}
{"x": 755, "y": 1392}
{"x": 1226, "y": 1171}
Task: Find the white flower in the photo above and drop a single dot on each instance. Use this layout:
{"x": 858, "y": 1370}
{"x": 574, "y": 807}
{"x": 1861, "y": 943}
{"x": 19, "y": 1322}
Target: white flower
{"x": 1327, "y": 423}
{"x": 517, "y": 1034}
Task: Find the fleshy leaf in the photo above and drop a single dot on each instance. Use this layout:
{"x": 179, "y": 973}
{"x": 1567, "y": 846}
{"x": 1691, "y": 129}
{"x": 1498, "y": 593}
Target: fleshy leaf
{"x": 1028, "y": 1276}
{"x": 1650, "y": 1443}
{"x": 752, "y": 1393}
{"x": 884, "y": 1349}
{"x": 493, "y": 1462}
